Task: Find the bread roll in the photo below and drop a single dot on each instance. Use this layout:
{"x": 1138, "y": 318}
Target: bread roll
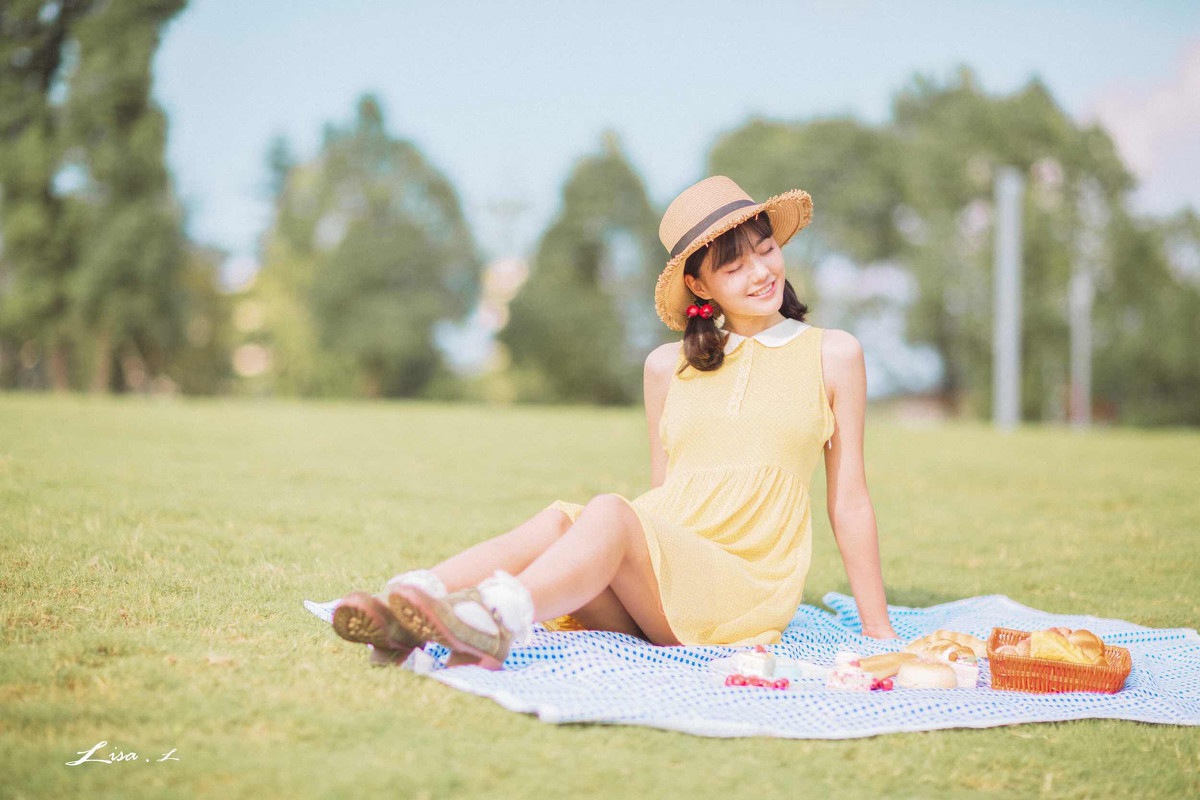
{"x": 946, "y": 650}
{"x": 1051, "y": 644}
{"x": 978, "y": 646}
{"x": 885, "y": 665}
{"x": 926, "y": 675}
{"x": 1089, "y": 645}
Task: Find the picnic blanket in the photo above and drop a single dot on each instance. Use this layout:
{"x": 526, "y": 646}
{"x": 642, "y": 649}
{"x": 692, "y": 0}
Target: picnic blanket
{"x": 607, "y": 677}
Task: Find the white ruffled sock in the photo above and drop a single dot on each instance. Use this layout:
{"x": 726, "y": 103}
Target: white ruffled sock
{"x": 423, "y": 578}
{"x": 508, "y": 597}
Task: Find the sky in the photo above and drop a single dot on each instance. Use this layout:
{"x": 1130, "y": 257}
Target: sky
{"x": 503, "y": 98}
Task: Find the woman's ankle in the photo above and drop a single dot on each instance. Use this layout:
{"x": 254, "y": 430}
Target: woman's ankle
{"x": 425, "y": 579}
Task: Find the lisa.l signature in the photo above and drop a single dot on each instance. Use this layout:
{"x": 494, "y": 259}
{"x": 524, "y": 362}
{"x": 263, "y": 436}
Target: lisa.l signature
{"x": 114, "y": 757}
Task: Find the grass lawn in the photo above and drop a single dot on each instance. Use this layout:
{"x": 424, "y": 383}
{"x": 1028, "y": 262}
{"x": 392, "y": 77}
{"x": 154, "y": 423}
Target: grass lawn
{"x": 153, "y": 556}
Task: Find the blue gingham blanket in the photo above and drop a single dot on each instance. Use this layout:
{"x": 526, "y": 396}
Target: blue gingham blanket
{"x": 607, "y": 677}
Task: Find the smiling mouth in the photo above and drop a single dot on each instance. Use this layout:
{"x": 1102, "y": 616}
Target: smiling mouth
{"x": 765, "y": 290}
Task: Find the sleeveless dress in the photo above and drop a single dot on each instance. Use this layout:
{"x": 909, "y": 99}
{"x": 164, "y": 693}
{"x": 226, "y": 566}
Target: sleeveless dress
{"x": 730, "y": 529}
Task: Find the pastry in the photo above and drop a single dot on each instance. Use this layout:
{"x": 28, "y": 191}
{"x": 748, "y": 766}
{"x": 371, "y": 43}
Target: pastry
{"x": 926, "y": 675}
{"x": 946, "y": 650}
{"x": 1079, "y": 646}
{"x": 849, "y": 676}
{"x": 1051, "y": 644}
{"x": 885, "y": 665}
{"x": 755, "y": 663}
{"x": 1089, "y": 644}
{"x": 978, "y": 646}
{"x": 966, "y": 673}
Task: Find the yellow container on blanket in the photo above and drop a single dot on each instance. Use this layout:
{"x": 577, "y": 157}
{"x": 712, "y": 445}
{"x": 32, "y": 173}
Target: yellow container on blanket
{"x": 564, "y": 623}
{"x": 1042, "y": 675}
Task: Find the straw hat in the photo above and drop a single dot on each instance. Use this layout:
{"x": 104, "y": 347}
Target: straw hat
{"x": 703, "y": 212}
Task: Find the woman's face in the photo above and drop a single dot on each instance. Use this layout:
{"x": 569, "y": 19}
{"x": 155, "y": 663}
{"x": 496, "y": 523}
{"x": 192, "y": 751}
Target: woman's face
{"x": 749, "y": 286}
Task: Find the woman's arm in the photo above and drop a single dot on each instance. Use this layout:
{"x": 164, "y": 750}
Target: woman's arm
{"x": 656, "y": 379}
{"x": 850, "y": 511}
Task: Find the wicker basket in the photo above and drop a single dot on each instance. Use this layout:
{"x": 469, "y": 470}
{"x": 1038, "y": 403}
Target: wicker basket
{"x": 1026, "y": 674}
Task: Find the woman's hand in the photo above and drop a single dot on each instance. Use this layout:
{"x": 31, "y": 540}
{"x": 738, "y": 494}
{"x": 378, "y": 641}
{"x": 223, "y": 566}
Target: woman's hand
{"x": 880, "y": 632}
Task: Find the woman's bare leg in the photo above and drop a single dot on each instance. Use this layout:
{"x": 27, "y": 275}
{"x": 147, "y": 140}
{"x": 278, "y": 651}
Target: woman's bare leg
{"x": 605, "y": 612}
{"x": 514, "y": 551}
{"x": 511, "y": 552}
{"x": 605, "y": 548}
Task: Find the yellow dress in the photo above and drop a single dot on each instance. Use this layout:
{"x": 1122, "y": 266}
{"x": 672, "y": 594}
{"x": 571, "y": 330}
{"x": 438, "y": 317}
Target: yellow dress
{"x": 730, "y": 529}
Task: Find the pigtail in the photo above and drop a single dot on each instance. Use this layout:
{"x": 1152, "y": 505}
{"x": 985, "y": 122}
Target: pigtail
{"x": 703, "y": 342}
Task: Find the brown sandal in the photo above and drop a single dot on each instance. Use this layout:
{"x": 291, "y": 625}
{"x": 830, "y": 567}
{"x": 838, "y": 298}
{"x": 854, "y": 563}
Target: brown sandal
{"x": 425, "y": 613}
{"x": 364, "y": 618}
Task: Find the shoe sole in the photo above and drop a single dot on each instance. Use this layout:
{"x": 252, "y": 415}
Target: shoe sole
{"x": 362, "y": 618}
{"x": 411, "y": 602}
{"x": 413, "y": 618}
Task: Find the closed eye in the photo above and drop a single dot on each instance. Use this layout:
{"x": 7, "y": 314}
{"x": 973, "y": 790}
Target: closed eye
{"x": 738, "y": 266}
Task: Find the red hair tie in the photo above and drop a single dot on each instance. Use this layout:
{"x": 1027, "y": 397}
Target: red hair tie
{"x": 704, "y": 311}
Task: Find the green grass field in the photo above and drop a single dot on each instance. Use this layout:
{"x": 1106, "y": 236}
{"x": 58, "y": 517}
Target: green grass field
{"x": 153, "y": 556}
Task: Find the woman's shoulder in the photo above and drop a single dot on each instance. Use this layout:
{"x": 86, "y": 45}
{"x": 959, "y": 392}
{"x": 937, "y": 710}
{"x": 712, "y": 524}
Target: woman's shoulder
{"x": 664, "y": 358}
{"x": 841, "y": 360}
{"x": 839, "y": 345}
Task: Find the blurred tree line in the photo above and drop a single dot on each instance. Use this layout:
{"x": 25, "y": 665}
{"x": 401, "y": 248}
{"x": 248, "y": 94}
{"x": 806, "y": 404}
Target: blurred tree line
{"x": 368, "y": 250}
{"x": 98, "y": 286}
{"x": 918, "y": 192}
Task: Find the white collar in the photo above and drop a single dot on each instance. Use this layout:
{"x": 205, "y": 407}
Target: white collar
{"x": 778, "y": 334}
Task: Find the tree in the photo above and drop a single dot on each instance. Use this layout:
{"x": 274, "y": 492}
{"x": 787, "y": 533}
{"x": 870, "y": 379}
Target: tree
{"x": 582, "y": 324}
{"x": 39, "y": 245}
{"x": 127, "y": 288}
{"x": 93, "y": 242}
{"x": 954, "y": 138}
{"x": 917, "y": 191}
{"x": 368, "y": 248}
{"x": 1148, "y": 321}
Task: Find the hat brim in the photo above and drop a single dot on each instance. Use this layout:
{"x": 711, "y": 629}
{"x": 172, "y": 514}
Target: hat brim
{"x": 790, "y": 212}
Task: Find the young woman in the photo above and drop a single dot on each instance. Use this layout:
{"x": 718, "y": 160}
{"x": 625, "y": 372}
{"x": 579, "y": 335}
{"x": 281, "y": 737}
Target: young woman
{"x": 717, "y": 551}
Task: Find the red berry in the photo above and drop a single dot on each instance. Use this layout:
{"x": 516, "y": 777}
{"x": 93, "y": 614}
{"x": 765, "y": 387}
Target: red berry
{"x": 758, "y": 648}
{"x": 886, "y": 684}
{"x": 738, "y": 680}
{"x": 754, "y": 680}
{"x": 729, "y": 680}
{"x": 781, "y": 683}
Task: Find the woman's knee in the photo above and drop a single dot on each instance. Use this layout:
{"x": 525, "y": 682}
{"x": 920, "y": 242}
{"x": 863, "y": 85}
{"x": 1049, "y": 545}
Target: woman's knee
{"x": 610, "y": 504}
{"x": 613, "y": 507}
{"x": 557, "y": 520}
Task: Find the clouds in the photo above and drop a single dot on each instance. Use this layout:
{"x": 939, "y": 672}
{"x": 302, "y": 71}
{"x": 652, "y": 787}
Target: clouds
{"x": 1157, "y": 129}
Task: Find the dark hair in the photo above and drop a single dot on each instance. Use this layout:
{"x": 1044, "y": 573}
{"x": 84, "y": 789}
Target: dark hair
{"x": 703, "y": 343}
